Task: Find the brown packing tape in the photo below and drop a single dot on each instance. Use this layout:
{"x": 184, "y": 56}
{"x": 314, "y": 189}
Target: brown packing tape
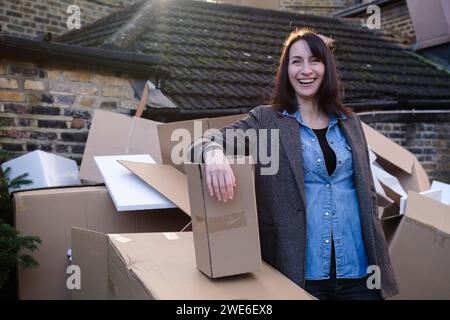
{"x": 19, "y": 204}
{"x": 440, "y": 238}
{"x": 221, "y": 223}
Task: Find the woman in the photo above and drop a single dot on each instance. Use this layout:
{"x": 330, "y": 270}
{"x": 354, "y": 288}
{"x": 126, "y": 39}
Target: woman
{"x": 318, "y": 214}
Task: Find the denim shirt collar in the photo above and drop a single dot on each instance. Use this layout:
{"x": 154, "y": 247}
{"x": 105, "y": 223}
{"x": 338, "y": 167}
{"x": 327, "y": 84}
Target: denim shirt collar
{"x": 298, "y": 117}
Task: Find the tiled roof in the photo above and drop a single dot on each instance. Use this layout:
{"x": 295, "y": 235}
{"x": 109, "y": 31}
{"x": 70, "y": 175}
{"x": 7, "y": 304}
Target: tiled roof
{"x": 223, "y": 56}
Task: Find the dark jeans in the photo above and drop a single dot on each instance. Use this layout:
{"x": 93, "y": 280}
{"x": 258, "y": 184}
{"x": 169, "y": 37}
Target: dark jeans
{"x": 341, "y": 289}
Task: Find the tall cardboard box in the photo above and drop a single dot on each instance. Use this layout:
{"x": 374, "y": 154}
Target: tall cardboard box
{"x": 162, "y": 266}
{"x": 226, "y": 234}
{"x": 420, "y": 249}
{"x": 117, "y": 134}
{"x": 50, "y": 214}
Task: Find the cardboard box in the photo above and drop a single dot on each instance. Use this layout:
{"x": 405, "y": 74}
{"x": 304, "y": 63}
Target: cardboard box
{"x": 401, "y": 164}
{"x": 116, "y": 134}
{"x": 162, "y": 266}
{"x": 44, "y": 170}
{"x": 420, "y": 249}
{"x": 51, "y": 213}
{"x": 226, "y": 234}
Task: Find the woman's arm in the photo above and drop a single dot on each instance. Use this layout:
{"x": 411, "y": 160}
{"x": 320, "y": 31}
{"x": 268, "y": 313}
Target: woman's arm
{"x": 212, "y": 147}
{"x": 219, "y": 139}
{"x": 371, "y": 182}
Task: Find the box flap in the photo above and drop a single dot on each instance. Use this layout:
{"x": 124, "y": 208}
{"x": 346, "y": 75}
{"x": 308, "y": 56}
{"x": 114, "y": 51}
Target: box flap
{"x": 108, "y": 135}
{"x": 117, "y": 134}
{"x": 165, "y": 179}
{"x": 144, "y": 138}
{"x": 220, "y": 122}
{"x": 175, "y": 137}
{"x": 90, "y": 254}
{"x": 428, "y": 211}
{"x": 387, "y": 149}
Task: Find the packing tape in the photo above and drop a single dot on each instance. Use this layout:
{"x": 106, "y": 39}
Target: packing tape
{"x": 221, "y": 223}
{"x": 119, "y": 238}
{"x": 171, "y": 236}
{"x": 440, "y": 238}
{"x": 19, "y": 204}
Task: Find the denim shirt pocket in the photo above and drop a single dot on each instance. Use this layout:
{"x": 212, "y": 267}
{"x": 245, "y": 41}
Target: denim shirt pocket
{"x": 346, "y": 156}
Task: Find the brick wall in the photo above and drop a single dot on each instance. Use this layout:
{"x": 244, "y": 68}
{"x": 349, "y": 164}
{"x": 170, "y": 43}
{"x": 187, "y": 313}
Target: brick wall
{"x": 50, "y": 107}
{"x": 396, "y": 20}
{"x": 429, "y": 142}
{"x": 32, "y": 18}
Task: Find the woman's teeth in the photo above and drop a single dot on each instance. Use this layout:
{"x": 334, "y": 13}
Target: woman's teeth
{"x": 306, "y": 81}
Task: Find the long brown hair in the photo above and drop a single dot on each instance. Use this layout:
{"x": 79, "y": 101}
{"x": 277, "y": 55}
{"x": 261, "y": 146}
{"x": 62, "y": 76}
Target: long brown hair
{"x": 329, "y": 96}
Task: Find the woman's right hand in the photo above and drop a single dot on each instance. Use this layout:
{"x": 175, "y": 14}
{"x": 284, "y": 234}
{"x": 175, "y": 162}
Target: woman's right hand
{"x": 219, "y": 175}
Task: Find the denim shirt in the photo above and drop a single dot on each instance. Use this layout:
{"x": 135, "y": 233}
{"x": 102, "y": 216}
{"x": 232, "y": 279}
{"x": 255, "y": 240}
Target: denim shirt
{"x": 331, "y": 207}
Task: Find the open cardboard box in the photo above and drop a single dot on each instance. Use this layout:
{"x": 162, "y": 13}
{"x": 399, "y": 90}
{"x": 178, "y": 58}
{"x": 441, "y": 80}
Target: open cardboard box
{"x": 117, "y": 134}
{"x": 50, "y": 214}
{"x": 420, "y": 249}
{"x": 226, "y": 235}
{"x": 401, "y": 164}
{"x": 162, "y": 266}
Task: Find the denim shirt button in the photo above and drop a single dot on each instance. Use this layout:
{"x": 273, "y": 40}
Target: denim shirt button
{"x": 327, "y": 241}
{"x": 318, "y": 160}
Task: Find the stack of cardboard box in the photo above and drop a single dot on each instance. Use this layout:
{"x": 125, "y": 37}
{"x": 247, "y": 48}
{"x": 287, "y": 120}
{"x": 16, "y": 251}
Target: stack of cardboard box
{"x": 145, "y": 254}
{"x": 415, "y": 219}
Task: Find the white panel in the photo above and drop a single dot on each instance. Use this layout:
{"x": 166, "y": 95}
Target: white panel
{"x": 127, "y": 190}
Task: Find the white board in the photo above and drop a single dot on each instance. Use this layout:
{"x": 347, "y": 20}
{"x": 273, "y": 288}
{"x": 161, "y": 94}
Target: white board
{"x": 127, "y": 190}
{"x": 44, "y": 169}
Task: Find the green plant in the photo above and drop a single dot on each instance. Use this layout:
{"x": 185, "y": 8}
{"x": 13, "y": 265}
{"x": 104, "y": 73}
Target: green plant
{"x": 11, "y": 241}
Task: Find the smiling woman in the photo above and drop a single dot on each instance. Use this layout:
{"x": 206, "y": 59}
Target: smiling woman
{"x": 318, "y": 214}
{"x": 307, "y": 74}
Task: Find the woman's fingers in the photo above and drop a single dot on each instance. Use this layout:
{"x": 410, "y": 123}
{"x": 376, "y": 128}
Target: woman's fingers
{"x": 229, "y": 184}
{"x": 215, "y": 182}
{"x": 223, "y": 188}
{"x": 209, "y": 184}
{"x": 220, "y": 178}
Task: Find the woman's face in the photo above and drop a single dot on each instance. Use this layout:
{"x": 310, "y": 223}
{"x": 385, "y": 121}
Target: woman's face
{"x": 305, "y": 71}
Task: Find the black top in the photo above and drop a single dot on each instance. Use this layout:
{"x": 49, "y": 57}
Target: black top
{"x": 328, "y": 153}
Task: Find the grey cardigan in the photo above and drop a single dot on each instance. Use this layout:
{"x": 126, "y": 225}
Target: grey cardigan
{"x": 281, "y": 197}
